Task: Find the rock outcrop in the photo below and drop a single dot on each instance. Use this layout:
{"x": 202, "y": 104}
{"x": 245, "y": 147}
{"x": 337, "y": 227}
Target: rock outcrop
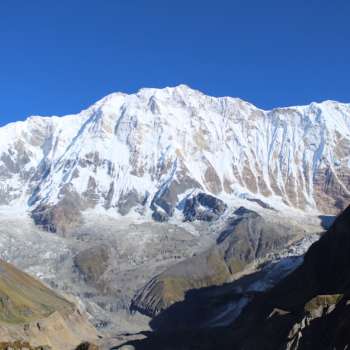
{"x": 203, "y": 207}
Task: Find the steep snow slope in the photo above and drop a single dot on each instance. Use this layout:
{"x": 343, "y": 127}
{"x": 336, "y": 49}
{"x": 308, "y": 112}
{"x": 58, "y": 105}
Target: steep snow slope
{"x": 151, "y": 149}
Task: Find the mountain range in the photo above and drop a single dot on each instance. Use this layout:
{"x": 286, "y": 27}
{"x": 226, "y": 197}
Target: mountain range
{"x": 146, "y": 153}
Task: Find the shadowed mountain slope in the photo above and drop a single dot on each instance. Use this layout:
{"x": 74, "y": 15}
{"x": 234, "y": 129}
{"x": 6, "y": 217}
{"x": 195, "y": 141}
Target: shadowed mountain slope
{"x": 308, "y": 309}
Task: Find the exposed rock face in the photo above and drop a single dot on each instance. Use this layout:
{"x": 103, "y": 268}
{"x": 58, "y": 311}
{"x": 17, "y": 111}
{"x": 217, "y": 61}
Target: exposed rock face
{"x": 151, "y": 149}
{"x": 32, "y": 313}
{"x": 59, "y": 218}
{"x": 246, "y": 239}
{"x": 203, "y": 207}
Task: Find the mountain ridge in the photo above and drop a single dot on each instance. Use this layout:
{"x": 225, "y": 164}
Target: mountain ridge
{"x": 120, "y": 93}
{"x": 147, "y": 152}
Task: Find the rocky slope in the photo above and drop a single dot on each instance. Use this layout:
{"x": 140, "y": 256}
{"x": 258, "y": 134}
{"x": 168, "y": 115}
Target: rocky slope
{"x": 150, "y": 151}
{"x": 308, "y": 309}
{"x": 248, "y": 238}
{"x": 32, "y": 313}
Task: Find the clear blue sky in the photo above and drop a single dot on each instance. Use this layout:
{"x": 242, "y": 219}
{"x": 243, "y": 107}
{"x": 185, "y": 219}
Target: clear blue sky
{"x": 59, "y": 56}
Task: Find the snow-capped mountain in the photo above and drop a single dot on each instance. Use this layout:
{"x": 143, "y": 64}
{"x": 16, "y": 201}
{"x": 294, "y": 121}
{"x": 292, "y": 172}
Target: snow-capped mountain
{"x": 149, "y": 150}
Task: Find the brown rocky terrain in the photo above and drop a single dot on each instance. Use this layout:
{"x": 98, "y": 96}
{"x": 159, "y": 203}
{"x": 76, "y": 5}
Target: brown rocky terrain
{"x": 33, "y": 315}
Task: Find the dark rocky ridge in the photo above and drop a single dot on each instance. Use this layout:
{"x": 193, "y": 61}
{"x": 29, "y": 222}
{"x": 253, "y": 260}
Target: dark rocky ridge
{"x": 203, "y": 207}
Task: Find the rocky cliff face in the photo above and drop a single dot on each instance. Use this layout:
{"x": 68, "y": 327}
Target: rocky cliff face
{"x": 153, "y": 149}
{"x": 32, "y": 313}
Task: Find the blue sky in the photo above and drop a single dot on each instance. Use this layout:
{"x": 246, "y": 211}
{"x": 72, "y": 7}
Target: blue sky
{"x": 58, "y": 57}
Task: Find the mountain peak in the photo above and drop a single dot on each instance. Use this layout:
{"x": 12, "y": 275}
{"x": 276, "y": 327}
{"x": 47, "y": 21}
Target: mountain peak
{"x": 127, "y": 151}
{"x": 181, "y": 89}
